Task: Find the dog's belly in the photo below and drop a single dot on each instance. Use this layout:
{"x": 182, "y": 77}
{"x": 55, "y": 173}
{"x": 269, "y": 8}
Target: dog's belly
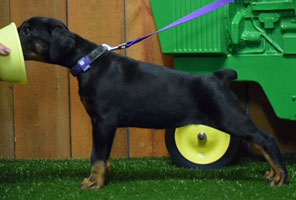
{"x": 154, "y": 122}
{"x": 150, "y": 121}
{"x": 158, "y": 115}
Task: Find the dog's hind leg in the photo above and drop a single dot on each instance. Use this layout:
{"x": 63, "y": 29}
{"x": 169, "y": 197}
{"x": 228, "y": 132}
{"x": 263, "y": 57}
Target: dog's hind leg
{"x": 266, "y": 144}
{"x": 102, "y": 142}
{"x": 278, "y": 174}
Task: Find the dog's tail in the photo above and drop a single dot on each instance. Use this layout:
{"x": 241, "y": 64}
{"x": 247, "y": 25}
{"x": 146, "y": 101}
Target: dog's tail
{"x": 226, "y": 75}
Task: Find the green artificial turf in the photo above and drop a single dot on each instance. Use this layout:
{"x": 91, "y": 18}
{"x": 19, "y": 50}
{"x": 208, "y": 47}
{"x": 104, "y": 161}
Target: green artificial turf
{"x": 146, "y": 178}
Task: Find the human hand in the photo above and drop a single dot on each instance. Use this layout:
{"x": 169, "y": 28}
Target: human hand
{"x": 4, "y": 51}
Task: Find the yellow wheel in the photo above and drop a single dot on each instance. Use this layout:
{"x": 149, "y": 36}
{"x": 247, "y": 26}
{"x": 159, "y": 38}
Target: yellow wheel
{"x": 200, "y": 146}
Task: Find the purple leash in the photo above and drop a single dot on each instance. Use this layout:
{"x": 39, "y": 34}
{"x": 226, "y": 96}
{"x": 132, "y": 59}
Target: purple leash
{"x": 202, "y": 11}
{"x": 84, "y": 63}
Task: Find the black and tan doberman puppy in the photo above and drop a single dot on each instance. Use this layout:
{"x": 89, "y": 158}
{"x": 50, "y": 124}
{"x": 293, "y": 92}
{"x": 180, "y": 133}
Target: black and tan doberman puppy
{"x": 118, "y": 91}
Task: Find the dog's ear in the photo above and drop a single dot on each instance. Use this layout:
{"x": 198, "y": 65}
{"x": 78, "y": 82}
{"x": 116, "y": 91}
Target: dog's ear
{"x": 62, "y": 42}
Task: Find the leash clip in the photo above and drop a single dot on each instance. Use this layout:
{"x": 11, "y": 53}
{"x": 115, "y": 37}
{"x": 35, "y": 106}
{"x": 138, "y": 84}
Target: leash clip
{"x": 109, "y": 48}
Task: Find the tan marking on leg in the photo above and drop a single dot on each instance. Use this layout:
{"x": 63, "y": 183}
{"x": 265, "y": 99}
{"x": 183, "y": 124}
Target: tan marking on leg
{"x": 98, "y": 176}
{"x": 269, "y": 174}
{"x": 278, "y": 173}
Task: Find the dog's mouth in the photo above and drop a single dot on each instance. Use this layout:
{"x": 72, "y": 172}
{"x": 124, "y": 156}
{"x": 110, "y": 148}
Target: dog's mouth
{"x": 34, "y": 56}
{"x": 22, "y": 43}
{"x": 34, "y": 52}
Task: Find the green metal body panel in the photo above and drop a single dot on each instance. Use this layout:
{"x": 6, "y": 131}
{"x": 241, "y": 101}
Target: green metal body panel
{"x": 257, "y": 38}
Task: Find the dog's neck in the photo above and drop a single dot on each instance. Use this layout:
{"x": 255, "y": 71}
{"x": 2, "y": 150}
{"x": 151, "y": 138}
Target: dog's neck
{"x": 82, "y": 48}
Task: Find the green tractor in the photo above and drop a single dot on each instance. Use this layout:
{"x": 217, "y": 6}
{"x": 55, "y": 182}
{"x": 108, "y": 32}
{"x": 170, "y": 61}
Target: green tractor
{"x": 257, "y": 38}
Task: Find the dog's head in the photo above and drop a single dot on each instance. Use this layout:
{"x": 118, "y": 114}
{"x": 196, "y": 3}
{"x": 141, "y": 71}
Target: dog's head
{"x": 45, "y": 39}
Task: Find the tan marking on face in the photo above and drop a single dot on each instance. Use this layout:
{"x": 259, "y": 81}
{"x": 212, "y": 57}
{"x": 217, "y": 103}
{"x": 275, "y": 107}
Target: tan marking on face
{"x": 38, "y": 48}
{"x": 34, "y": 56}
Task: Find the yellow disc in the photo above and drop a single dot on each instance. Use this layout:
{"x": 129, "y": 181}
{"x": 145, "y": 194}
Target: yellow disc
{"x": 201, "y": 152}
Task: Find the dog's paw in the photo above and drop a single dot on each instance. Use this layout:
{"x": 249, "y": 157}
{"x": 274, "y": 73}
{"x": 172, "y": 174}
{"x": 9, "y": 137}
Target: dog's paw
{"x": 97, "y": 178}
{"x": 269, "y": 174}
{"x": 91, "y": 183}
{"x": 279, "y": 180}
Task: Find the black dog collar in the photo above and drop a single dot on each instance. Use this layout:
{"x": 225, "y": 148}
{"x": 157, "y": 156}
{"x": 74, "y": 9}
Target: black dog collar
{"x": 84, "y": 63}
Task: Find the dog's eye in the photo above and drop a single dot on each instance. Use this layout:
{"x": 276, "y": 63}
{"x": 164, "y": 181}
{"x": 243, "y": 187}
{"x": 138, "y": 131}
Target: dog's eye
{"x": 26, "y": 31}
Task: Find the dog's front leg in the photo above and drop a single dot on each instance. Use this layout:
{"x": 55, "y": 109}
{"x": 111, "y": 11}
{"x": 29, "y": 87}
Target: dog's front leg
{"x": 102, "y": 142}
